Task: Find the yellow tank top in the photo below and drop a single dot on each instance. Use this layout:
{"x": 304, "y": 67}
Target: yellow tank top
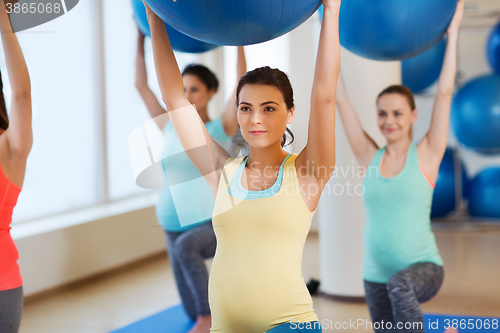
{"x": 256, "y": 278}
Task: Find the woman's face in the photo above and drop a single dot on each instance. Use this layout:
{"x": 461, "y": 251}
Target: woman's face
{"x": 395, "y": 116}
{"x": 263, "y": 115}
{"x": 196, "y": 91}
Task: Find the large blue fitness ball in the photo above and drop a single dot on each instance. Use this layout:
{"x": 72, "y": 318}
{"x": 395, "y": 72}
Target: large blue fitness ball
{"x": 493, "y": 49}
{"x": 484, "y": 199}
{"x": 475, "y": 115}
{"x": 234, "y": 22}
{"x": 421, "y": 71}
{"x": 179, "y": 41}
{"x": 393, "y": 29}
{"x": 444, "y": 198}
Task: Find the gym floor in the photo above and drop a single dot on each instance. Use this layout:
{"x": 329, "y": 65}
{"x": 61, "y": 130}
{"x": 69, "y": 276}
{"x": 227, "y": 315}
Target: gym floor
{"x": 471, "y": 254}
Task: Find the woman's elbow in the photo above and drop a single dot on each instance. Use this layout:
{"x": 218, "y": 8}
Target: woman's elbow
{"x": 22, "y": 94}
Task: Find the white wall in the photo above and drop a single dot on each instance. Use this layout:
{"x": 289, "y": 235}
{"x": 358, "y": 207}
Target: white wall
{"x": 67, "y": 254}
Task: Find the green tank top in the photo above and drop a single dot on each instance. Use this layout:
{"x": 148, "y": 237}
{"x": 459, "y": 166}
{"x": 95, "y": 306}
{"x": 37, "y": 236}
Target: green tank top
{"x": 398, "y": 228}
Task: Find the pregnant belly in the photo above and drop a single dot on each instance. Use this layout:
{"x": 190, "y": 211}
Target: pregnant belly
{"x": 253, "y": 300}
{"x": 395, "y": 250}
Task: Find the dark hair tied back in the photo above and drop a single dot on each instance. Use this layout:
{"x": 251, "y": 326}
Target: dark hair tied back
{"x": 204, "y": 74}
{"x": 4, "y": 118}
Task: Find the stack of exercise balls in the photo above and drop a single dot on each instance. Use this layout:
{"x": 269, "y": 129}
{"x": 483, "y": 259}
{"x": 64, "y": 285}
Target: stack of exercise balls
{"x": 393, "y": 29}
{"x": 179, "y": 41}
{"x": 484, "y": 193}
{"x": 411, "y": 31}
{"x": 475, "y": 120}
{"x": 475, "y": 116}
{"x": 484, "y": 198}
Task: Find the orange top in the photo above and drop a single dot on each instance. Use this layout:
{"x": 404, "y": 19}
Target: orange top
{"x": 10, "y": 276}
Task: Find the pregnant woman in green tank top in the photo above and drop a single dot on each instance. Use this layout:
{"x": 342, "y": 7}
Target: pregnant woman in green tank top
{"x": 402, "y": 266}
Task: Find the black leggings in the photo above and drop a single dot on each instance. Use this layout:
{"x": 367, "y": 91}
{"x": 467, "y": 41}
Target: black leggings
{"x": 187, "y": 251}
{"x": 11, "y": 309}
{"x": 397, "y": 302}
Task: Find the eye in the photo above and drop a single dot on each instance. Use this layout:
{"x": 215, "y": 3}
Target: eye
{"x": 381, "y": 114}
{"x": 244, "y": 109}
{"x": 194, "y": 90}
{"x": 397, "y": 114}
{"x": 269, "y": 108}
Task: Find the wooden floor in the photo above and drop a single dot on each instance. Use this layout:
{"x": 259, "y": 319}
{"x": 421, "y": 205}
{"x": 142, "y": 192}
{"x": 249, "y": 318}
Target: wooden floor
{"x": 471, "y": 287}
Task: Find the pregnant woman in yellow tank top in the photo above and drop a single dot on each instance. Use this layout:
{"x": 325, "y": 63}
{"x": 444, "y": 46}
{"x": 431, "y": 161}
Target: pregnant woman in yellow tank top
{"x": 264, "y": 202}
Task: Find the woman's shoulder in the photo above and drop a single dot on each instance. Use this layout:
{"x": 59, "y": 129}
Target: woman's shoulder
{"x": 233, "y": 162}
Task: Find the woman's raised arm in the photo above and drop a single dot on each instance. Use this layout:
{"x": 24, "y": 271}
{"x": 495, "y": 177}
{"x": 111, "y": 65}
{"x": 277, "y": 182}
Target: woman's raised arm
{"x": 433, "y": 145}
{"x": 320, "y": 149}
{"x": 229, "y": 117}
{"x": 19, "y": 133}
{"x": 206, "y": 155}
{"x": 363, "y": 146}
{"x": 141, "y": 83}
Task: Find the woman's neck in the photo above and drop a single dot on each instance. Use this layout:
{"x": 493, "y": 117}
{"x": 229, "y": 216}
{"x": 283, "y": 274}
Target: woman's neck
{"x": 399, "y": 147}
{"x": 261, "y": 158}
{"x": 203, "y": 112}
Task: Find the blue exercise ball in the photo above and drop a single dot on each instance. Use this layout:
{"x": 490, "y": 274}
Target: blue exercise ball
{"x": 393, "y": 29}
{"x": 475, "y": 114}
{"x": 444, "y": 198}
{"x": 465, "y": 184}
{"x": 493, "y": 49}
{"x": 421, "y": 71}
{"x": 484, "y": 199}
{"x": 179, "y": 41}
{"x": 234, "y": 22}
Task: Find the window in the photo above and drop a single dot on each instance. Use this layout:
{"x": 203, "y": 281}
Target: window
{"x": 59, "y": 55}
{"x": 125, "y": 108}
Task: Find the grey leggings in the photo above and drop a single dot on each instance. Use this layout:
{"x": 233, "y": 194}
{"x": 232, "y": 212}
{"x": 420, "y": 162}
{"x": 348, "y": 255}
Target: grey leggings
{"x": 397, "y": 302}
{"x": 11, "y": 309}
{"x": 187, "y": 251}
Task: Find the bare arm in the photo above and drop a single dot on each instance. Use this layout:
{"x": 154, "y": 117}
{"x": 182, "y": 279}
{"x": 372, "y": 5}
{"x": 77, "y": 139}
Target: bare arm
{"x": 433, "y": 145}
{"x": 141, "y": 83}
{"x": 207, "y": 156}
{"x": 19, "y": 134}
{"x": 229, "y": 119}
{"x": 320, "y": 147}
{"x": 363, "y": 146}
